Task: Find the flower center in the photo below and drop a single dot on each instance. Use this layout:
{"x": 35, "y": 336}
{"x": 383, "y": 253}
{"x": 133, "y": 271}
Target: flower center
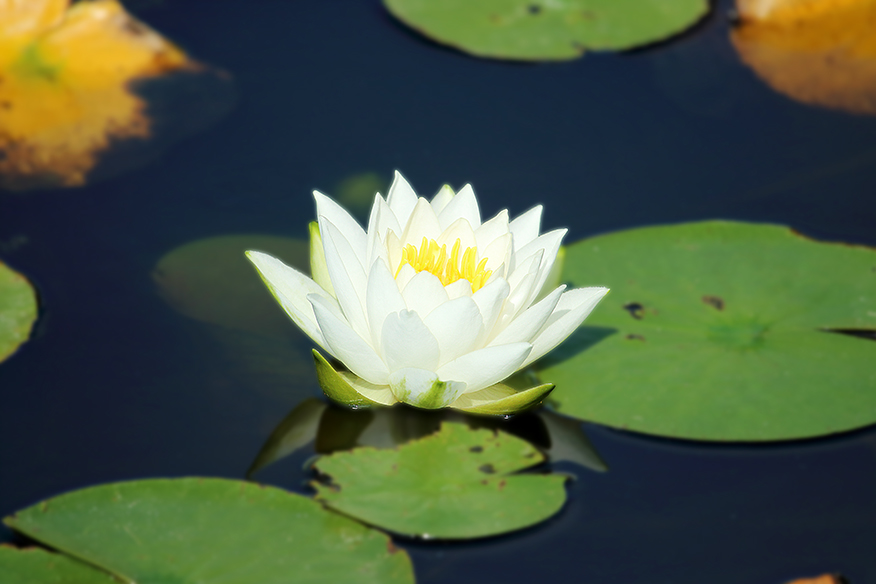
{"x": 448, "y": 268}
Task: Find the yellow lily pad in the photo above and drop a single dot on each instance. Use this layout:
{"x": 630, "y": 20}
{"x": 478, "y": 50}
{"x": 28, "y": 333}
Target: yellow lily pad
{"x": 819, "y": 52}
{"x": 68, "y": 92}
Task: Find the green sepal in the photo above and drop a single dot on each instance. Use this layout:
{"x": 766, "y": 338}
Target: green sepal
{"x": 336, "y": 388}
{"x": 499, "y": 399}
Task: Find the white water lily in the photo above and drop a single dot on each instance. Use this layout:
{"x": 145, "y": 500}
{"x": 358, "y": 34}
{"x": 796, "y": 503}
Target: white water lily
{"x": 429, "y": 305}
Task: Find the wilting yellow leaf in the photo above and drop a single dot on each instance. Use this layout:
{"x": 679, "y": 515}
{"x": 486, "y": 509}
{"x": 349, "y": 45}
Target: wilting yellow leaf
{"x": 820, "y": 52}
{"x": 65, "y": 95}
{"x": 824, "y": 579}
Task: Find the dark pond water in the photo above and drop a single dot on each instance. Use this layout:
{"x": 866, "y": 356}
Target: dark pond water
{"x": 116, "y": 385}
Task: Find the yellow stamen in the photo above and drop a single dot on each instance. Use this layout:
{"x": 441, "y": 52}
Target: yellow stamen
{"x": 448, "y": 268}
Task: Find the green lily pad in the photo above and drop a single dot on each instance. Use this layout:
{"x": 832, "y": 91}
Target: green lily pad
{"x": 210, "y": 280}
{"x": 721, "y": 331}
{"x": 194, "y": 530}
{"x": 540, "y": 30}
{"x": 18, "y": 310}
{"x": 38, "y": 566}
{"x": 454, "y": 484}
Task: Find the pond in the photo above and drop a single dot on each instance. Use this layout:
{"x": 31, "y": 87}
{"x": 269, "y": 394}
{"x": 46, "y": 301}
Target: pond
{"x": 120, "y": 382}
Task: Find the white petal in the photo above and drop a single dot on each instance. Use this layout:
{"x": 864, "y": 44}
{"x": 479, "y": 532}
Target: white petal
{"x": 550, "y": 243}
{"x": 574, "y": 306}
{"x": 482, "y": 368}
{"x": 401, "y": 198}
{"x": 348, "y": 347}
{"x": 441, "y": 198}
{"x": 339, "y": 217}
{"x": 521, "y": 282}
{"x": 381, "y": 299}
{"x": 490, "y": 299}
{"x": 461, "y": 230}
{"x": 422, "y": 388}
{"x": 406, "y": 342}
{"x": 405, "y": 275}
{"x": 290, "y": 287}
{"x": 393, "y": 250}
{"x": 386, "y": 220}
{"x": 381, "y": 220}
{"x": 458, "y": 289}
{"x": 490, "y": 230}
{"x": 422, "y": 223}
{"x": 498, "y": 253}
{"x": 456, "y": 324}
{"x": 525, "y": 227}
{"x": 530, "y": 322}
{"x": 554, "y": 276}
{"x": 465, "y": 205}
{"x": 424, "y": 293}
{"x": 348, "y": 277}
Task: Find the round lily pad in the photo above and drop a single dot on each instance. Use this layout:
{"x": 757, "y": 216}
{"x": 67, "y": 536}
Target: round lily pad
{"x": 211, "y": 530}
{"x": 38, "y": 566}
{"x": 539, "y": 30}
{"x": 210, "y": 280}
{"x": 721, "y": 331}
{"x": 18, "y": 310}
{"x": 455, "y": 484}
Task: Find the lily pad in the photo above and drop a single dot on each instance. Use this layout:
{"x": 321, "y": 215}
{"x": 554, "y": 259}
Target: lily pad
{"x": 455, "y": 484}
{"x": 721, "y": 331}
{"x": 18, "y": 310}
{"x": 38, "y": 566}
{"x": 210, "y": 530}
{"x": 211, "y": 281}
{"x": 540, "y": 30}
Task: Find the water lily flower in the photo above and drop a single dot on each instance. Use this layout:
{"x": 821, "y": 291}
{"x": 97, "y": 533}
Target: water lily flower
{"x": 429, "y": 306}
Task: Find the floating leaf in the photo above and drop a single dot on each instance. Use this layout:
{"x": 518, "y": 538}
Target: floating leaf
{"x": 538, "y": 30}
{"x": 820, "y": 52}
{"x": 72, "y": 78}
{"x": 451, "y": 485}
{"x": 823, "y": 579}
{"x": 211, "y": 281}
{"x": 18, "y": 310}
{"x": 211, "y": 530}
{"x": 37, "y": 566}
{"x": 721, "y": 331}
